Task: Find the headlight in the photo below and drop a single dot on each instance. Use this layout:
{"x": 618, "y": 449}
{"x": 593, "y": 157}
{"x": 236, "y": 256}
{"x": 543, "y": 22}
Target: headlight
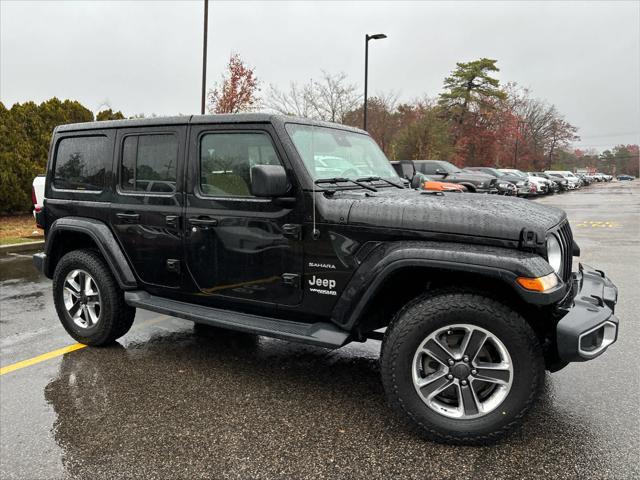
{"x": 554, "y": 253}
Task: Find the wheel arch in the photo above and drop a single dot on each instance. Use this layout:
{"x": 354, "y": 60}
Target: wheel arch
{"x": 399, "y": 273}
{"x": 73, "y": 233}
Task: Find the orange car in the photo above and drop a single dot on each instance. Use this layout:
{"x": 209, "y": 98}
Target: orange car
{"x": 427, "y": 183}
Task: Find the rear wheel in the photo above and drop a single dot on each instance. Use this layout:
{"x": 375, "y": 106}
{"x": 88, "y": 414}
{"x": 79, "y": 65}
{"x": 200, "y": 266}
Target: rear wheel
{"x": 89, "y": 302}
{"x": 461, "y": 367}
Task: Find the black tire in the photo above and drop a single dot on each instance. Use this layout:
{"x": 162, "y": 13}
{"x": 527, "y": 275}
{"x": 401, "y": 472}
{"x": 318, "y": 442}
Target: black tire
{"x": 116, "y": 317}
{"x": 431, "y": 312}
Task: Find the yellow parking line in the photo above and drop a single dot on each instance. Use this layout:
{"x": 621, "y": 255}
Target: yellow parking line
{"x": 41, "y": 358}
{"x": 61, "y": 351}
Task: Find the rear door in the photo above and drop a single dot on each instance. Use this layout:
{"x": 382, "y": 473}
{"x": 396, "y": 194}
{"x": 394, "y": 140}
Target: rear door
{"x": 146, "y": 213}
{"x": 240, "y": 248}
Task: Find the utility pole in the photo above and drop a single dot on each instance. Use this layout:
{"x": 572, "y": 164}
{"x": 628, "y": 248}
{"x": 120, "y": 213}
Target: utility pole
{"x": 204, "y": 56}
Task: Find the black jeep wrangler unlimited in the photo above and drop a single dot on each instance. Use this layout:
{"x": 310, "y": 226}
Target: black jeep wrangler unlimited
{"x": 303, "y": 231}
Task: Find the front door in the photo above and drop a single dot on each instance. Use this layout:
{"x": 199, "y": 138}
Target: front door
{"x": 239, "y": 248}
{"x": 147, "y": 208}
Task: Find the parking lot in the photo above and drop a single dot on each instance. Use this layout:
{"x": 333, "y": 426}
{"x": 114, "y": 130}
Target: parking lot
{"x": 174, "y": 401}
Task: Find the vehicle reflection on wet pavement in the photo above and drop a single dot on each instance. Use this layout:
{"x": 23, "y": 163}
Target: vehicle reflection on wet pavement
{"x": 171, "y": 400}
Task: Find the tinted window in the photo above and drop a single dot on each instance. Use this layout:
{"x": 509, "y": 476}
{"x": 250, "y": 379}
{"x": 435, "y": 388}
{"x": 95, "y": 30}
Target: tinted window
{"x": 427, "y": 168}
{"x": 80, "y": 163}
{"x": 149, "y": 163}
{"x": 226, "y": 160}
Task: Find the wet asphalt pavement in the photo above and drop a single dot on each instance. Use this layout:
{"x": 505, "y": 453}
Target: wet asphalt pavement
{"x": 171, "y": 401}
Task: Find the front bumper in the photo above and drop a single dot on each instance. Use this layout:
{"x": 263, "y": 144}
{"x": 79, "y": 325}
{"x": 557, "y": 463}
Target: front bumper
{"x": 589, "y": 326}
{"x": 491, "y": 190}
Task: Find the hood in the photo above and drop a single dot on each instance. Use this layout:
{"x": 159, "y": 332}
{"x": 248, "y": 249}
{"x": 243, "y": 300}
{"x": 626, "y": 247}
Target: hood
{"x": 475, "y": 215}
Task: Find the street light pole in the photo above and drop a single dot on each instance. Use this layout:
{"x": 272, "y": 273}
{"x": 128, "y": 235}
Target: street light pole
{"x": 204, "y": 56}
{"x": 367, "y": 37}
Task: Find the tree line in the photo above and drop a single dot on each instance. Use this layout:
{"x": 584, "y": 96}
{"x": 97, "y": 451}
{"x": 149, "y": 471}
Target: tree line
{"x": 474, "y": 121}
{"x": 26, "y": 130}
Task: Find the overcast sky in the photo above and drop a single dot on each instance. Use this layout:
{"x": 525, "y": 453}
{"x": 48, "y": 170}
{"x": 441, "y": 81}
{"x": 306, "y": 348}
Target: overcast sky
{"x": 145, "y": 57}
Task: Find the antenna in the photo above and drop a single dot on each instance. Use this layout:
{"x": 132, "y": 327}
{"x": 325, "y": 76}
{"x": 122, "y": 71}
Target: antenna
{"x": 315, "y": 234}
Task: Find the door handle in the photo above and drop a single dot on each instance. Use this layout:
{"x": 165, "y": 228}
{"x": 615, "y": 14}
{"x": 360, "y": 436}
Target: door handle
{"x": 128, "y": 217}
{"x": 203, "y": 221}
{"x": 172, "y": 221}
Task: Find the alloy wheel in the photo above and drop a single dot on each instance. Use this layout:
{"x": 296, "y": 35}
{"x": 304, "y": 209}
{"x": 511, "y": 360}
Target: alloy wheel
{"x": 82, "y": 298}
{"x": 462, "y": 371}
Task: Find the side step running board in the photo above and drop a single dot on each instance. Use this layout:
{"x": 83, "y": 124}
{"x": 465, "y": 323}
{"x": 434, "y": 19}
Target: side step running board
{"x": 320, "y": 334}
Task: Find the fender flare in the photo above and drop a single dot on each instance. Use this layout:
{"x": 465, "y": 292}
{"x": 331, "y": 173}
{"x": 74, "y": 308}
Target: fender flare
{"x": 499, "y": 263}
{"x": 103, "y": 238}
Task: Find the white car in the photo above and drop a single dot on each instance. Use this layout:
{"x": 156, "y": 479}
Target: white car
{"x": 542, "y": 184}
{"x": 574, "y": 181}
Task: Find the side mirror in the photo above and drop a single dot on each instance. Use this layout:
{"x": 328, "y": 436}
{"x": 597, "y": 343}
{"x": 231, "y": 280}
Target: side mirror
{"x": 408, "y": 169}
{"x": 269, "y": 181}
{"x": 439, "y": 171}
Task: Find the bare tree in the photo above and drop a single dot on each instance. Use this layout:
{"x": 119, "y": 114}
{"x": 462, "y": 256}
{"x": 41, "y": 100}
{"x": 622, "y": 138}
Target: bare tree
{"x": 292, "y": 102}
{"x": 329, "y": 98}
{"x": 332, "y": 97}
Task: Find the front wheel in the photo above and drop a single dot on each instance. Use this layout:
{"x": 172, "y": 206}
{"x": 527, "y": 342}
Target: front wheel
{"x": 462, "y": 368}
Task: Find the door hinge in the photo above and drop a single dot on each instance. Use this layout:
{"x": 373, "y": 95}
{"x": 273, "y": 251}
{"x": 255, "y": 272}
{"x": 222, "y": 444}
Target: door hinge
{"x": 291, "y": 280}
{"x": 173, "y": 265}
{"x": 292, "y": 230}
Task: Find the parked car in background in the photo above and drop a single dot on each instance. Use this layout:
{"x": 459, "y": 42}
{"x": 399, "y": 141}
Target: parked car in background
{"x": 552, "y": 187}
{"x": 424, "y": 182}
{"x": 475, "y": 182}
{"x": 523, "y": 186}
{"x": 562, "y": 183}
{"x": 626, "y": 177}
{"x": 587, "y": 179}
{"x": 603, "y": 177}
{"x": 504, "y": 187}
{"x": 541, "y": 184}
{"x": 37, "y": 194}
{"x": 574, "y": 181}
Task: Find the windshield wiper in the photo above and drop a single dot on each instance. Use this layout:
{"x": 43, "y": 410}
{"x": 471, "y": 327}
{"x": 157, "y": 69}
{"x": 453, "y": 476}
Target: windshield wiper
{"x": 377, "y": 179}
{"x": 341, "y": 179}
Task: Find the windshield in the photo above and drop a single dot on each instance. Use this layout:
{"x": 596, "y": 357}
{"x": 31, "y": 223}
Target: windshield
{"x": 333, "y": 153}
{"x": 449, "y": 167}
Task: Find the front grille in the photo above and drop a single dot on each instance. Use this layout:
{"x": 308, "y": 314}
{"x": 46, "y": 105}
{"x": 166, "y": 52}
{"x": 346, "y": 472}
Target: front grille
{"x": 565, "y": 237}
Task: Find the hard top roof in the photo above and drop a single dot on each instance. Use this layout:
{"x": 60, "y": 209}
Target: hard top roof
{"x": 201, "y": 119}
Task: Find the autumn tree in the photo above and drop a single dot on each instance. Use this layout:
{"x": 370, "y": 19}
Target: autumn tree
{"x": 542, "y": 131}
{"x": 470, "y": 99}
{"x": 425, "y": 138}
{"x": 237, "y": 91}
{"x": 383, "y": 119}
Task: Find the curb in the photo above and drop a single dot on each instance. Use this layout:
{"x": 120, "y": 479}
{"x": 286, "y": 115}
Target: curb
{"x": 21, "y": 247}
